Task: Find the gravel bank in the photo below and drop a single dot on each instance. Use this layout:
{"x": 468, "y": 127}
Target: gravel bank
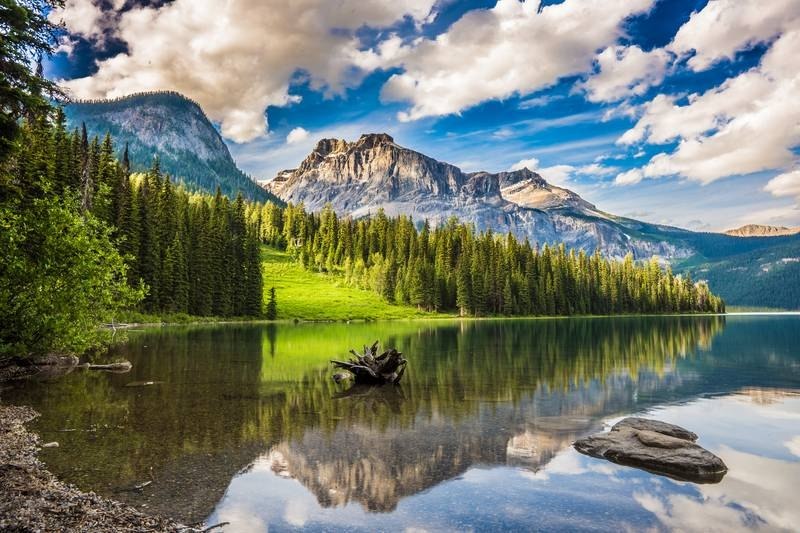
{"x": 32, "y": 499}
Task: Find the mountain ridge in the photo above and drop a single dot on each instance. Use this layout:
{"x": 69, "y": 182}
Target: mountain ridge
{"x": 358, "y": 178}
{"x": 762, "y": 230}
{"x": 174, "y": 128}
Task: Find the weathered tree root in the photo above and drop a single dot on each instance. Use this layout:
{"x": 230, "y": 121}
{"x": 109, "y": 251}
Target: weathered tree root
{"x": 373, "y": 369}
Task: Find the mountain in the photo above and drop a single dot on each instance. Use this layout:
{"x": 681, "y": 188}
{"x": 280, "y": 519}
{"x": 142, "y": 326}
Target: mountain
{"x": 175, "y": 129}
{"x": 358, "y": 178}
{"x": 758, "y": 230}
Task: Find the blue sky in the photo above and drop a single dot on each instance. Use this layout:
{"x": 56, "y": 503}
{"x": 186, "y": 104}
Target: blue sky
{"x": 672, "y": 111}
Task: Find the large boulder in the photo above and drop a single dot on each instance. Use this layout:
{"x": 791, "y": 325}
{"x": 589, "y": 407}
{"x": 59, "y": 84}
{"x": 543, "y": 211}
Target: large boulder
{"x": 657, "y": 447}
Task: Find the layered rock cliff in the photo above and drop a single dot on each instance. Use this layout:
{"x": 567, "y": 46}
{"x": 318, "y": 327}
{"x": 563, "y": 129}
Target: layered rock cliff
{"x": 359, "y": 178}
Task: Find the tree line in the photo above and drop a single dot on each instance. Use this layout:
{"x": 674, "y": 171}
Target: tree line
{"x": 83, "y": 239}
{"x": 191, "y": 253}
{"x": 455, "y": 268}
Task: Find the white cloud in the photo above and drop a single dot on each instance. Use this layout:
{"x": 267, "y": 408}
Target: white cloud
{"x": 297, "y": 135}
{"x": 596, "y": 169}
{"x": 561, "y": 174}
{"x": 724, "y": 27}
{"x": 747, "y": 124}
{"x": 556, "y": 174}
{"x": 786, "y": 184}
{"x": 794, "y": 445}
{"x": 513, "y": 48}
{"x": 629, "y": 177}
{"x": 623, "y": 71}
{"x": 235, "y": 57}
{"x": 84, "y": 18}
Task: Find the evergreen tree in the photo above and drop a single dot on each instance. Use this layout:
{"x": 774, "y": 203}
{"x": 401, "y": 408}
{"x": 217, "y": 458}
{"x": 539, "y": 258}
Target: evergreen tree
{"x": 272, "y": 305}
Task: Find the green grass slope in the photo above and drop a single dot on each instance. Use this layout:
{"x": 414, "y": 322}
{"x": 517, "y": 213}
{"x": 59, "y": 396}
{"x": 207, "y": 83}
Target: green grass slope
{"x": 307, "y": 295}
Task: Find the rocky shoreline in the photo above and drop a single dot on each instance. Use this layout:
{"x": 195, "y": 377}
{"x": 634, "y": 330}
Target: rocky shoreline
{"x": 33, "y": 499}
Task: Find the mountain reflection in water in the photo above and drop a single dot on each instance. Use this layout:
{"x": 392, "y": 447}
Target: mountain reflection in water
{"x": 498, "y": 394}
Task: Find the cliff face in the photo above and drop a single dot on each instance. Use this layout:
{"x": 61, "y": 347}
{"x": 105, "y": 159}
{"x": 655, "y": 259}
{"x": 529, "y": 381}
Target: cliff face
{"x": 173, "y": 128}
{"x": 358, "y": 178}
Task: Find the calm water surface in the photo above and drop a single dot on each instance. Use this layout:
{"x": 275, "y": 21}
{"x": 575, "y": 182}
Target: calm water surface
{"x": 247, "y": 426}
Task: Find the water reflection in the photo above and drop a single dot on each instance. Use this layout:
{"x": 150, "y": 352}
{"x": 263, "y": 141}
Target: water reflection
{"x": 481, "y": 400}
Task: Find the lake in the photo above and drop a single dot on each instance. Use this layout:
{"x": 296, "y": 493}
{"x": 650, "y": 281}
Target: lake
{"x": 245, "y": 424}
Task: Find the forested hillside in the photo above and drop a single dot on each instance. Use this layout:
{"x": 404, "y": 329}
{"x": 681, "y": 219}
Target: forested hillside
{"x": 84, "y": 240}
{"x": 174, "y": 128}
{"x": 763, "y": 273}
{"x": 199, "y": 254}
{"x": 452, "y": 267}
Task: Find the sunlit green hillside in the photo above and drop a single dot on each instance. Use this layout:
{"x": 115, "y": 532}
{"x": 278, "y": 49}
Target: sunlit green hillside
{"x": 306, "y": 295}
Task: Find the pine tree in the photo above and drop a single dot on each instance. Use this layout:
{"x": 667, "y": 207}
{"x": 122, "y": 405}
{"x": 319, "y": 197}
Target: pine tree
{"x": 272, "y": 305}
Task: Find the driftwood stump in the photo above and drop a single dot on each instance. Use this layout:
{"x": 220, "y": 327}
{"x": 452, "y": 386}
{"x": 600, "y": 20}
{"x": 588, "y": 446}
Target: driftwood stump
{"x": 373, "y": 369}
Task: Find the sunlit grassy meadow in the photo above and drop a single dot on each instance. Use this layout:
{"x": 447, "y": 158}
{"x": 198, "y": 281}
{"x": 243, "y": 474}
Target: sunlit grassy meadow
{"x": 307, "y": 295}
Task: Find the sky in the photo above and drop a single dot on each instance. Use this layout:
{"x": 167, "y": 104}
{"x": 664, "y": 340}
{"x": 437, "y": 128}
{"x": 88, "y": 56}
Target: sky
{"x": 680, "y": 112}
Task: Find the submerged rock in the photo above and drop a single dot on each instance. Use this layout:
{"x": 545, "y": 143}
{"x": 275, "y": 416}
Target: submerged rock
{"x": 657, "y": 447}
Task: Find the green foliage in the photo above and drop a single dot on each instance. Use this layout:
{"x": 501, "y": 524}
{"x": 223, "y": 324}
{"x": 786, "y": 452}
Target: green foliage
{"x": 453, "y": 268}
{"x": 310, "y": 295}
{"x": 60, "y": 277}
{"x": 27, "y": 35}
{"x": 272, "y": 305}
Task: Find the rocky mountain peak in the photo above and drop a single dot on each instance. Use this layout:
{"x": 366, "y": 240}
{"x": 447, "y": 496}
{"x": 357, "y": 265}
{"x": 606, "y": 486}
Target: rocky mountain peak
{"x": 523, "y": 174}
{"x": 360, "y": 177}
{"x": 371, "y": 140}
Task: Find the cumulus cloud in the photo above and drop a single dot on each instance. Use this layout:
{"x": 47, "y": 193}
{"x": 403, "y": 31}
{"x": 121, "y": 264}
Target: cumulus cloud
{"x": 624, "y": 71}
{"x": 786, "y": 184}
{"x": 235, "y": 57}
{"x": 629, "y": 177}
{"x": 747, "y": 124}
{"x": 724, "y": 27}
{"x": 297, "y": 135}
{"x": 83, "y": 18}
{"x": 514, "y": 48}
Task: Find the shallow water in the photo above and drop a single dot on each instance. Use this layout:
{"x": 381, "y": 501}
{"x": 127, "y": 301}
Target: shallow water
{"x": 248, "y": 428}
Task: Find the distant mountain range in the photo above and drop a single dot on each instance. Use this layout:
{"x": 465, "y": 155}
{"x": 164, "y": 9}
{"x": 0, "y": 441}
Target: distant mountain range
{"x": 358, "y": 178}
{"x": 174, "y": 128}
{"x": 757, "y": 230}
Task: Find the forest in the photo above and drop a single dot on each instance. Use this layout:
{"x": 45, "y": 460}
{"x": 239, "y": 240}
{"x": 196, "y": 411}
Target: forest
{"x": 455, "y": 268}
{"x": 84, "y": 239}
{"x": 162, "y": 249}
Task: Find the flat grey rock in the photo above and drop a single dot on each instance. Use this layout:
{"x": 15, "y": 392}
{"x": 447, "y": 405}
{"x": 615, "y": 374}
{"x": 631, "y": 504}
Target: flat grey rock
{"x": 655, "y": 425}
{"x": 657, "y": 447}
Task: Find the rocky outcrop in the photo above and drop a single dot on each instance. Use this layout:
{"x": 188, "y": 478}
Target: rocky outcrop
{"x": 758, "y": 230}
{"x": 657, "y": 447}
{"x": 359, "y": 178}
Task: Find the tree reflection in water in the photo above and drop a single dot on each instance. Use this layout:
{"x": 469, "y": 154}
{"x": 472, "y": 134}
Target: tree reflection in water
{"x": 504, "y": 392}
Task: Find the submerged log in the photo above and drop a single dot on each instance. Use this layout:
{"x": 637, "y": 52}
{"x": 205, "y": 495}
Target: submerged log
{"x": 119, "y": 367}
{"x": 370, "y": 368}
